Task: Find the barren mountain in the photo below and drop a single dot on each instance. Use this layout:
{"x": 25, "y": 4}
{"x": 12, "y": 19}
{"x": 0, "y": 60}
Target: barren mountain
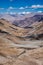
{"x": 21, "y": 45}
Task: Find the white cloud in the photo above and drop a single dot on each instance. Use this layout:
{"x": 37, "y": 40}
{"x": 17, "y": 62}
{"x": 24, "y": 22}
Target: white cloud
{"x": 24, "y": 12}
{"x": 33, "y": 6}
{"x": 39, "y": 11}
{"x": 37, "y": 6}
{"x": 21, "y": 8}
{"x": 11, "y": 8}
{"x": 26, "y": 7}
{"x": 28, "y": 12}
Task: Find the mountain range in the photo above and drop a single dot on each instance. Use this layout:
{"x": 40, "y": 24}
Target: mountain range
{"x": 23, "y": 20}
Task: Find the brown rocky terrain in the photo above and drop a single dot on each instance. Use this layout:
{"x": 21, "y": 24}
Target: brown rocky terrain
{"x": 21, "y": 46}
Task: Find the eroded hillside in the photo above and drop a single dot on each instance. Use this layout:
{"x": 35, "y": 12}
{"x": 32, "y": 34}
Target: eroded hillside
{"x": 21, "y": 46}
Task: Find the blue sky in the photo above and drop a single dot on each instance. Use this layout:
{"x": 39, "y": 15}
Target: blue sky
{"x": 21, "y": 6}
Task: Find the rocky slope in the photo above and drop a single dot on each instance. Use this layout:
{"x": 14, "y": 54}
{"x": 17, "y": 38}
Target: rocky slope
{"x": 21, "y": 46}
